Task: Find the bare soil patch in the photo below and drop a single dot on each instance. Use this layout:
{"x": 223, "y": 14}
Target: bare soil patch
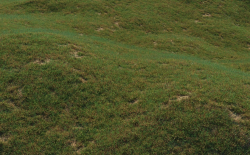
{"x": 207, "y": 15}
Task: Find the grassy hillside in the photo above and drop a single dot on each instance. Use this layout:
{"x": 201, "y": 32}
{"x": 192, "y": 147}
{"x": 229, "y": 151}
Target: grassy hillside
{"x": 124, "y": 77}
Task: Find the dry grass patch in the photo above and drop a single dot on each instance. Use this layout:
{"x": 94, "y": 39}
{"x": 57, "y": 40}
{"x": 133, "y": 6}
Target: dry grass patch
{"x": 76, "y": 55}
{"x": 4, "y": 139}
{"x": 100, "y": 29}
{"x": 76, "y": 51}
{"x": 207, "y": 15}
{"x": 169, "y": 102}
{"x": 41, "y": 62}
{"x": 75, "y": 70}
{"x": 77, "y": 146}
{"x": 77, "y": 128}
{"x": 197, "y": 21}
{"x": 235, "y": 117}
{"x": 179, "y": 99}
{"x": 135, "y": 101}
{"x": 63, "y": 45}
{"x": 165, "y": 105}
{"x": 82, "y": 80}
{"x": 76, "y": 47}
{"x": 20, "y": 93}
{"x": 117, "y": 24}
{"x": 213, "y": 103}
{"x": 57, "y": 130}
{"x": 11, "y": 105}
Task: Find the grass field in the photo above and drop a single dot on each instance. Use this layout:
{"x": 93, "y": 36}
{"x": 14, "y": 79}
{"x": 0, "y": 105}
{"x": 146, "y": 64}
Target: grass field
{"x": 124, "y": 77}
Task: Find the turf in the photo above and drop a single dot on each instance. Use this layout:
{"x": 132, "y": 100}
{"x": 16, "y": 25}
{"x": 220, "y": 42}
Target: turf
{"x": 124, "y": 77}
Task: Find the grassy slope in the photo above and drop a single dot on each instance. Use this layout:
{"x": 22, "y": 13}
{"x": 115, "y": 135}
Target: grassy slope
{"x": 124, "y": 77}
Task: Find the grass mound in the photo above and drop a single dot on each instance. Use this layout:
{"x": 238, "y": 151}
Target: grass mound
{"x": 124, "y": 77}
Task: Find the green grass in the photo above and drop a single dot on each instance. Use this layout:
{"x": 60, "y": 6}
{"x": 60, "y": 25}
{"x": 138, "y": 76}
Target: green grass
{"x": 124, "y": 77}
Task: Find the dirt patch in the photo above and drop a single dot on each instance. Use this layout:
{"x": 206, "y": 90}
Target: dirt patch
{"x": 169, "y": 102}
{"x": 75, "y": 53}
{"x": 77, "y": 128}
{"x": 12, "y": 105}
{"x": 135, "y": 101}
{"x": 4, "y": 139}
{"x": 207, "y": 15}
{"x": 75, "y": 47}
{"x": 75, "y": 70}
{"x": 180, "y": 98}
{"x": 77, "y": 146}
{"x": 100, "y": 29}
{"x": 117, "y": 24}
{"x": 12, "y": 88}
{"x": 59, "y": 131}
{"x": 20, "y": 93}
{"x": 83, "y": 80}
{"x": 41, "y": 62}
{"x": 235, "y": 117}
{"x": 165, "y": 105}
{"x": 62, "y": 45}
{"x": 197, "y": 21}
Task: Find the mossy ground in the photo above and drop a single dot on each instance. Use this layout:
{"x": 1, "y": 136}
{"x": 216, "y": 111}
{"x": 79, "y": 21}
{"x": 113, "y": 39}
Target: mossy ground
{"x": 124, "y": 77}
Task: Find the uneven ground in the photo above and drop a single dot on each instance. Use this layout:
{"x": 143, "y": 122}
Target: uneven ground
{"x": 124, "y": 77}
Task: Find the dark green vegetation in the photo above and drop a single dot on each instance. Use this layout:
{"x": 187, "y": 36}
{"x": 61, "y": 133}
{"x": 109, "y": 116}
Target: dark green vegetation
{"x": 124, "y": 77}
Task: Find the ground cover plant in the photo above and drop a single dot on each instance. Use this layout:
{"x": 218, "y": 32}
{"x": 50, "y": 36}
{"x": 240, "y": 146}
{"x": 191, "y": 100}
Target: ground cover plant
{"x": 124, "y": 77}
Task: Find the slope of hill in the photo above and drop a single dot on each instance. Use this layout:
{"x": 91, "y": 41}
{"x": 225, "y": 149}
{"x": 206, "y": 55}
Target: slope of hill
{"x": 124, "y": 77}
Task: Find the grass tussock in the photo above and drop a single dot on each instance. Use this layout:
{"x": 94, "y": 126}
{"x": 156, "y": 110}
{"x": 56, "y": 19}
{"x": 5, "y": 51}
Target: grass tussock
{"x": 124, "y": 77}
